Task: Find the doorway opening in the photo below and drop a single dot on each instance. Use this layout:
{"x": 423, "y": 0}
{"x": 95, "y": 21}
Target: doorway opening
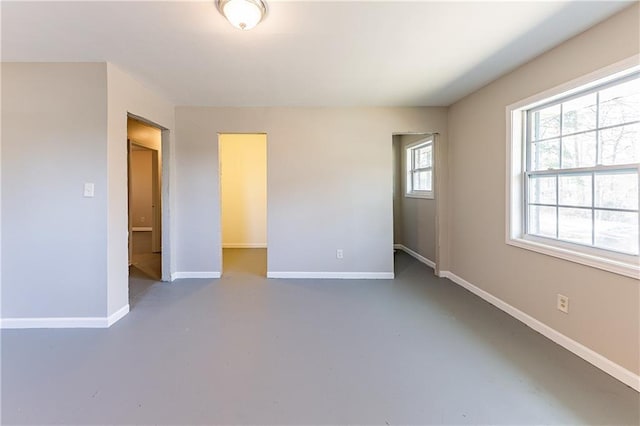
{"x": 415, "y": 197}
{"x": 243, "y": 203}
{"x": 144, "y": 159}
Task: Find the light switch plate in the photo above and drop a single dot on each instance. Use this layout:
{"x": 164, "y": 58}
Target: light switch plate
{"x": 89, "y": 189}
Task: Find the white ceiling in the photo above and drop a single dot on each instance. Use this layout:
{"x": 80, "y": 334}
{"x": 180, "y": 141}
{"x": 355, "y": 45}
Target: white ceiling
{"x": 306, "y": 53}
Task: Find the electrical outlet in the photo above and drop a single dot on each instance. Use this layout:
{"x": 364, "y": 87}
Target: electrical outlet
{"x": 142, "y": 218}
{"x": 563, "y": 303}
{"x": 339, "y": 254}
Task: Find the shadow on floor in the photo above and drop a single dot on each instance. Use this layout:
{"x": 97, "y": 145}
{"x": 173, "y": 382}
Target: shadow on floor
{"x": 139, "y": 284}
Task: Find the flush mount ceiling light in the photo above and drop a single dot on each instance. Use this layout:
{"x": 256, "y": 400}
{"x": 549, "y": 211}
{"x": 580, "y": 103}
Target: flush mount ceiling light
{"x": 242, "y": 14}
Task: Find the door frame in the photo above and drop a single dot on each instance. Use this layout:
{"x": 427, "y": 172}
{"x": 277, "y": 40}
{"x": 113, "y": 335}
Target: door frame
{"x": 220, "y": 234}
{"x": 439, "y": 188}
{"x": 160, "y": 188}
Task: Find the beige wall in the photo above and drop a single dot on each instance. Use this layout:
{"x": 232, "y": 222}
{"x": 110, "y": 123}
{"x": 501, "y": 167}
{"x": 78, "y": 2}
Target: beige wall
{"x": 329, "y": 183}
{"x": 141, "y": 188}
{"x": 604, "y": 306}
{"x": 243, "y": 186}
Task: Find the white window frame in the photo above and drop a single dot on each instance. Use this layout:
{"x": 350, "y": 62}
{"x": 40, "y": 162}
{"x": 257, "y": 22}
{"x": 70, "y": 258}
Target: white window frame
{"x": 627, "y": 265}
{"x": 409, "y": 161}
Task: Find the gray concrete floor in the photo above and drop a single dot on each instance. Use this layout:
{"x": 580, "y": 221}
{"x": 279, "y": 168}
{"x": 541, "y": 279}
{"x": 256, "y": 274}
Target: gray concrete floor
{"x": 247, "y": 350}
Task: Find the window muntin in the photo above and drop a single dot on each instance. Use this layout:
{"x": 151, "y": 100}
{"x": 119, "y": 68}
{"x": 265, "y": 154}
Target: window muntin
{"x": 419, "y": 165}
{"x": 581, "y": 178}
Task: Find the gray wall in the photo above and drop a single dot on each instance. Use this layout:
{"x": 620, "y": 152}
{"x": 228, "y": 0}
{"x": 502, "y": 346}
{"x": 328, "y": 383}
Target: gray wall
{"x": 329, "y": 183}
{"x": 414, "y": 218}
{"x": 54, "y": 241}
{"x": 63, "y": 125}
{"x": 604, "y": 306}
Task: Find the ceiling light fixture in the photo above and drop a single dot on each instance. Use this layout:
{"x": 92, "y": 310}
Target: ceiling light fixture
{"x": 242, "y": 14}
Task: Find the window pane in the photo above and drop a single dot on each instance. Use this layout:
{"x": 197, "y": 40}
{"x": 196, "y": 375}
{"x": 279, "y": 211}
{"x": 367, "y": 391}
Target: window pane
{"x": 620, "y": 145}
{"x": 616, "y": 231}
{"x": 422, "y": 181}
{"x": 575, "y": 190}
{"x": 583, "y": 167}
{"x": 542, "y": 190}
{"x": 423, "y": 157}
{"x": 579, "y": 151}
{"x": 579, "y": 114}
{"x": 620, "y": 104}
{"x": 545, "y": 123}
{"x": 545, "y": 155}
{"x": 575, "y": 225}
{"x": 418, "y": 181}
{"x": 617, "y": 190}
{"x": 542, "y": 221}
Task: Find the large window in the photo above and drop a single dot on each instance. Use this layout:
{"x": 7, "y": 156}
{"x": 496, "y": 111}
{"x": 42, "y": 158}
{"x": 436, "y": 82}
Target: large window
{"x": 578, "y": 182}
{"x": 419, "y": 162}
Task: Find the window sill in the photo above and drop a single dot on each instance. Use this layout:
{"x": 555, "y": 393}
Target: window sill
{"x": 621, "y": 267}
{"x": 418, "y": 195}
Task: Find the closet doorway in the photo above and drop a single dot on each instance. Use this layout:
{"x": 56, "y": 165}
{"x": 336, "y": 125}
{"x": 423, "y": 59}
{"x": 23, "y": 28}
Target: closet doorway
{"x": 415, "y": 196}
{"x": 243, "y": 203}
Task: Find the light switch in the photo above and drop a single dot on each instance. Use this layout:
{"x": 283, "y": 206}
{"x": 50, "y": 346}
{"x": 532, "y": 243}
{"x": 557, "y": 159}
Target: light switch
{"x": 88, "y": 189}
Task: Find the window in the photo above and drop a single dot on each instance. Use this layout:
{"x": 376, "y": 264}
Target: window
{"x": 577, "y": 181}
{"x": 420, "y": 169}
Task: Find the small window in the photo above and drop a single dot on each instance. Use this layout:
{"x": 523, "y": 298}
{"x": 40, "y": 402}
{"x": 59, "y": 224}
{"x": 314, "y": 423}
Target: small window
{"x": 575, "y": 161}
{"x": 419, "y": 163}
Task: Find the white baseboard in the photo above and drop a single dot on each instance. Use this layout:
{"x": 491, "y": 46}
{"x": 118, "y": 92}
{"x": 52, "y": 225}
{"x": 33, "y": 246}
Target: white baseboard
{"x": 244, "y": 245}
{"x": 202, "y": 274}
{"x": 617, "y": 371}
{"x": 430, "y": 263}
{"x": 332, "y": 275}
{"x": 117, "y": 315}
{"x": 141, "y": 228}
{"x": 68, "y": 322}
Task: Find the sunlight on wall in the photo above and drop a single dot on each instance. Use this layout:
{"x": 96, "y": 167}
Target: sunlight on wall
{"x": 243, "y": 168}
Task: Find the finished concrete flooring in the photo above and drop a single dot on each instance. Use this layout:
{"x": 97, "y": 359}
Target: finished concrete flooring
{"x": 247, "y": 350}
